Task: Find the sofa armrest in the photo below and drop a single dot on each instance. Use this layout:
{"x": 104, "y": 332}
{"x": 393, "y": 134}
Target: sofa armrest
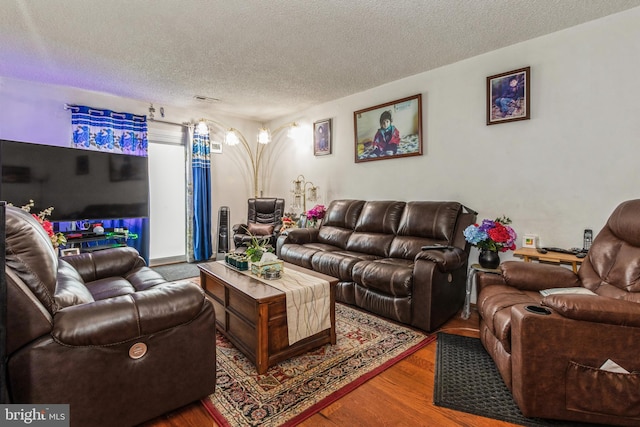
{"x": 115, "y": 320}
{"x": 594, "y": 308}
{"x": 300, "y": 236}
{"x": 447, "y": 259}
{"x": 529, "y": 276}
{"x": 543, "y": 348}
{"x": 106, "y": 263}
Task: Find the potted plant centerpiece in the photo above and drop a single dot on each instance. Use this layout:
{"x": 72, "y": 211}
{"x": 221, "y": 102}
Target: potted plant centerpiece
{"x": 491, "y": 237}
{"x": 258, "y": 246}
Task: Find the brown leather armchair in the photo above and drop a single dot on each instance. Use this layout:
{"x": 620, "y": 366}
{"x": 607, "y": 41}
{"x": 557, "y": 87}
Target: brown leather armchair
{"x": 101, "y": 331}
{"x": 264, "y": 219}
{"x": 552, "y": 361}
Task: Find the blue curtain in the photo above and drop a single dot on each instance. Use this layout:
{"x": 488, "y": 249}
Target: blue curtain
{"x": 201, "y": 175}
{"x": 106, "y": 130}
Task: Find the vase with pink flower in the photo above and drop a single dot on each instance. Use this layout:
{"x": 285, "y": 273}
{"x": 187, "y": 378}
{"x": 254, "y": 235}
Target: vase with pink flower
{"x": 315, "y": 215}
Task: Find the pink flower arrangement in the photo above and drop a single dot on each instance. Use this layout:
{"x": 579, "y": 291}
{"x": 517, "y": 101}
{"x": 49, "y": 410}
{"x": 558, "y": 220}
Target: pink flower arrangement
{"x": 316, "y": 213}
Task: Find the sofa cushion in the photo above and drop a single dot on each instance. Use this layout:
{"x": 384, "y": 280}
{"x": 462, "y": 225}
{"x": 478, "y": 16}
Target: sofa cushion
{"x": 343, "y": 213}
{"x": 260, "y": 229}
{"x": 389, "y": 276}
{"x": 337, "y": 263}
{"x": 424, "y": 223}
{"x": 30, "y": 254}
{"x": 372, "y": 243}
{"x": 380, "y": 217}
{"x": 334, "y": 236}
{"x": 298, "y": 254}
{"x": 70, "y": 289}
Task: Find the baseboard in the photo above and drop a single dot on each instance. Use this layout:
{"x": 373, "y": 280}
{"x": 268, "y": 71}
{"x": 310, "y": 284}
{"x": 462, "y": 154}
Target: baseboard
{"x": 167, "y": 260}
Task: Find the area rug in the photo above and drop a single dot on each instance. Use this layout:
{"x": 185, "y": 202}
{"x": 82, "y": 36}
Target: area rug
{"x": 294, "y": 390}
{"x": 179, "y": 271}
{"x": 467, "y": 380}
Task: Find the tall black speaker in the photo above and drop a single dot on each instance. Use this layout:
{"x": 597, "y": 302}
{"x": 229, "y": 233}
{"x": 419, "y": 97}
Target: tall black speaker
{"x": 223, "y": 229}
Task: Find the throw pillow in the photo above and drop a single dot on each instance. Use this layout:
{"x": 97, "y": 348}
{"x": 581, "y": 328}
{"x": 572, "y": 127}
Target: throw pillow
{"x": 260, "y": 229}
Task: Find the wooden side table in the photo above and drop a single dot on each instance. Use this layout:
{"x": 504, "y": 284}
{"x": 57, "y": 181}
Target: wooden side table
{"x": 529, "y": 254}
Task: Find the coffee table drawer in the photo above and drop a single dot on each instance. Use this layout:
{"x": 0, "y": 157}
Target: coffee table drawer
{"x": 242, "y": 306}
{"x": 242, "y": 335}
{"x": 213, "y": 288}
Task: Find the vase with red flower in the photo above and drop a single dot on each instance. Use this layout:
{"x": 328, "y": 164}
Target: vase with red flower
{"x": 491, "y": 237}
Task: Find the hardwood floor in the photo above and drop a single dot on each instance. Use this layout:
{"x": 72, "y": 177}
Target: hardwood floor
{"x": 400, "y": 396}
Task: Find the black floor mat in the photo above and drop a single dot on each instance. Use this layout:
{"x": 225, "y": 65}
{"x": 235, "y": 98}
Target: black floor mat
{"x": 183, "y": 270}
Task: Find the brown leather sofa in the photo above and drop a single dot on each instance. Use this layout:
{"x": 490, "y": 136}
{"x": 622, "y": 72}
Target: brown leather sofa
{"x": 552, "y": 362}
{"x": 375, "y": 250}
{"x": 101, "y": 331}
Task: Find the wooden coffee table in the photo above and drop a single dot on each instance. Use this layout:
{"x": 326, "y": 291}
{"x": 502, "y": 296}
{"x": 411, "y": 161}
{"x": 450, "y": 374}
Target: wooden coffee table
{"x": 253, "y": 315}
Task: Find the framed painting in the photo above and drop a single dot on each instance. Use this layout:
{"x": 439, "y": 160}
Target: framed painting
{"x": 322, "y": 137}
{"x": 389, "y": 131}
{"x": 508, "y": 96}
{"x": 216, "y": 147}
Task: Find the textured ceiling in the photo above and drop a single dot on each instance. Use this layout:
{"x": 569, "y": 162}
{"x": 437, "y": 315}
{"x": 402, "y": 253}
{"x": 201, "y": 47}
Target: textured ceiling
{"x": 262, "y": 59}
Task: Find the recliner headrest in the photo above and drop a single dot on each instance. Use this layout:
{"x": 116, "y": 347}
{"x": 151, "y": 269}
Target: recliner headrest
{"x": 624, "y": 222}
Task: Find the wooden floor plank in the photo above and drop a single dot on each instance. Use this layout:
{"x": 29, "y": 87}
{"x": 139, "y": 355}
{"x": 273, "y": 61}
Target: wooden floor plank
{"x": 400, "y": 396}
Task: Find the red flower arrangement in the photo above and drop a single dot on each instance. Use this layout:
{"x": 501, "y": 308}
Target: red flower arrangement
{"x": 496, "y": 236}
{"x": 57, "y": 239}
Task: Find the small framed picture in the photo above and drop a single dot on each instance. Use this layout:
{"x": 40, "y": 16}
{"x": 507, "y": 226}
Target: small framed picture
{"x": 508, "y": 97}
{"x": 69, "y": 251}
{"x": 216, "y": 147}
{"x": 530, "y": 241}
{"x": 389, "y": 131}
{"x": 322, "y": 137}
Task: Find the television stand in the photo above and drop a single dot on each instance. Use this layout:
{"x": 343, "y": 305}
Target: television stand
{"x": 84, "y": 241}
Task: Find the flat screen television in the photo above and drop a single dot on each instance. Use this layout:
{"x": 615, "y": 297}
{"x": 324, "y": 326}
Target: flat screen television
{"x": 79, "y": 184}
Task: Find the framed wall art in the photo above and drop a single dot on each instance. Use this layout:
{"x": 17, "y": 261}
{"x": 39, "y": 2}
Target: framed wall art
{"x": 389, "y": 131}
{"x": 508, "y": 97}
{"x": 322, "y": 137}
{"x": 216, "y": 147}
{"x": 69, "y": 251}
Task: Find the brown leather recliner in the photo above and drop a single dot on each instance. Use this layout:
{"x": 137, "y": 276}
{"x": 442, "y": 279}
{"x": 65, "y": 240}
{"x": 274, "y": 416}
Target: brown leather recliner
{"x": 552, "y": 363}
{"x": 264, "y": 219}
{"x": 101, "y": 331}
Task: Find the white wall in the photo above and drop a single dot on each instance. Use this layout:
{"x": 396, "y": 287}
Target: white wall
{"x": 560, "y": 172}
